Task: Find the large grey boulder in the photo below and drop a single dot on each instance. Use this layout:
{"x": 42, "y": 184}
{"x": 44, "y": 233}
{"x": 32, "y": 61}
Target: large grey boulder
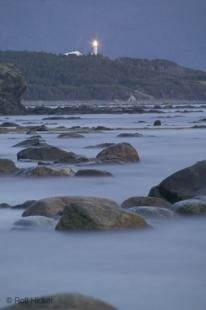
{"x": 183, "y": 184}
{"x": 50, "y": 153}
{"x": 67, "y": 301}
{"x": 118, "y": 153}
{"x": 7, "y": 166}
{"x": 145, "y": 201}
{"x": 55, "y": 205}
{"x": 90, "y": 216}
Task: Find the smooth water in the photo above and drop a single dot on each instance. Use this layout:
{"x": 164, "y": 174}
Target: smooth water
{"x": 160, "y": 269}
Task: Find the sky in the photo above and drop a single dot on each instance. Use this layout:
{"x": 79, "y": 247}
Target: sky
{"x": 166, "y": 29}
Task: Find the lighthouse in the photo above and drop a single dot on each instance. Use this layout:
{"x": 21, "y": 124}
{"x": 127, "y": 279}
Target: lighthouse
{"x": 95, "y": 47}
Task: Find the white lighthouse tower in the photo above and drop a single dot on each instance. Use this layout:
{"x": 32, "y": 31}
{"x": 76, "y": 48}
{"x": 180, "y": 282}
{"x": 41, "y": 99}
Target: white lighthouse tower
{"x": 95, "y": 47}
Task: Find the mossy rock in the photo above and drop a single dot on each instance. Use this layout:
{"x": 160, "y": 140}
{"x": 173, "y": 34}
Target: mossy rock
{"x": 88, "y": 216}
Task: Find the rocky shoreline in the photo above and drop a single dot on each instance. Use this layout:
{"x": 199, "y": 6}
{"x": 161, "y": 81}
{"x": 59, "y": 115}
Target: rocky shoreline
{"x": 94, "y": 163}
{"x": 182, "y": 193}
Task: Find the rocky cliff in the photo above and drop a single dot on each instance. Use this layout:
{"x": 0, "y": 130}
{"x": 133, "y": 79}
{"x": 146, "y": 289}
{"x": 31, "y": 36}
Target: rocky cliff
{"x": 12, "y": 86}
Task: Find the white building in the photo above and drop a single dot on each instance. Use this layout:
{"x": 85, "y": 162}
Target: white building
{"x": 76, "y": 53}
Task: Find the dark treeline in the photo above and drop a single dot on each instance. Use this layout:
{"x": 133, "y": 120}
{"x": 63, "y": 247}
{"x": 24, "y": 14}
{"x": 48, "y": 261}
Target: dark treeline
{"x": 60, "y": 77}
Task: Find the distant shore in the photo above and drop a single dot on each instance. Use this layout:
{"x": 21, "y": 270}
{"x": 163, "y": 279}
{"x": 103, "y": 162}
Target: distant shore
{"x": 107, "y": 107}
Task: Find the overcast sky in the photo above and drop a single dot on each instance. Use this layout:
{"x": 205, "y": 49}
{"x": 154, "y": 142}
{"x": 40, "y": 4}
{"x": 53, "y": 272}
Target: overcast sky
{"x": 170, "y": 29}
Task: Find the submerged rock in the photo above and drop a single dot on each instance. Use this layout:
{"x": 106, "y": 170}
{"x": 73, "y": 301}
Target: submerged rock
{"x": 153, "y": 212}
{"x": 7, "y": 166}
{"x": 68, "y": 135}
{"x": 33, "y": 141}
{"x": 9, "y": 124}
{"x": 193, "y": 206}
{"x": 33, "y": 222}
{"x": 43, "y": 171}
{"x": 55, "y": 118}
{"x": 145, "y": 201}
{"x": 92, "y": 173}
{"x": 50, "y": 153}
{"x": 157, "y": 123}
{"x": 101, "y": 145}
{"x": 4, "y": 205}
{"x": 119, "y": 153}
{"x": 183, "y": 184}
{"x": 38, "y": 128}
{"x": 129, "y": 135}
{"x": 67, "y": 301}
{"x": 90, "y": 216}
{"x": 199, "y": 127}
{"x": 101, "y": 128}
{"x": 55, "y": 205}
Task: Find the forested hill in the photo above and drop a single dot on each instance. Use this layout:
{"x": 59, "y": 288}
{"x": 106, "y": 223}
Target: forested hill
{"x": 59, "y": 77}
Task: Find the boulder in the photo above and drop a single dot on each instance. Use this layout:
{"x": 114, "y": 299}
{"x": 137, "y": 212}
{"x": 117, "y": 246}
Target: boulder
{"x": 9, "y": 124}
{"x": 153, "y": 212}
{"x": 4, "y": 205}
{"x": 44, "y": 171}
{"x": 12, "y": 86}
{"x": 92, "y": 173}
{"x": 91, "y": 216}
{"x": 7, "y": 166}
{"x": 50, "y": 153}
{"x": 183, "y": 184}
{"x": 67, "y": 301}
{"x": 157, "y": 123}
{"x": 33, "y": 141}
{"x": 57, "y": 118}
{"x": 193, "y": 206}
{"x": 70, "y": 135}
{"x": 129, "y": 135}
{"x": 199, "y": 127}
{"x": 55, "y": 205}
{"x": 145, "y": 201}
{"x": 24, "y": 205}
{"x": 38, "y": 128}
{"x": 101, "y": 128}
{"x": 119, "y": 153}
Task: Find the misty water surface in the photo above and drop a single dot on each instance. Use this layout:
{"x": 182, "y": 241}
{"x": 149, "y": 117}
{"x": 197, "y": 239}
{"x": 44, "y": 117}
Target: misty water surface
{"x": 159, "y": 269}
